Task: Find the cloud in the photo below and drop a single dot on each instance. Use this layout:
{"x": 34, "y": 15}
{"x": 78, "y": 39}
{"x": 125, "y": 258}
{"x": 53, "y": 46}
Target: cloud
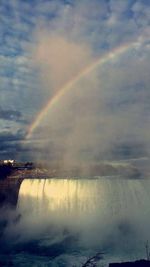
{"x": 45, "y": 46}
{"x": 141, "y": 13}
{"x": 11, "y": 145}
{"x": 9, "y": 114}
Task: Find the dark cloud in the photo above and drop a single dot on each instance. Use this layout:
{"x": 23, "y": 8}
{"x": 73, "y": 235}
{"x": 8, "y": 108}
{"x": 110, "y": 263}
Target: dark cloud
{"x": 12, "y": 115}
{"x": 11, "y": 144}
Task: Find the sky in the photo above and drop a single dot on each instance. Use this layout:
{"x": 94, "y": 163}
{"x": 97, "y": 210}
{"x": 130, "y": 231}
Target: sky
{"x": 45, "y": 44}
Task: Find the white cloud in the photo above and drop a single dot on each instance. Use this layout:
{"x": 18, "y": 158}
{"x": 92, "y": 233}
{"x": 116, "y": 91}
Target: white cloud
{"x": 141, "y": 13}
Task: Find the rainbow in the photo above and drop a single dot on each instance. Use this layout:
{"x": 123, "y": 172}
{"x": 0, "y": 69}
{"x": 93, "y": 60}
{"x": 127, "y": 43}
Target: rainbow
{"x": 65, "y": 88}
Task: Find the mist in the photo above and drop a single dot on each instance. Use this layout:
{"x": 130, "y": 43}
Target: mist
{"x": 105, "y": 214}
{"x": 104, "y": 112}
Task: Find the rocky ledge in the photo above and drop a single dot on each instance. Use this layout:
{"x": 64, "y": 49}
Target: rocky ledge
{"x": 9, "y": 189}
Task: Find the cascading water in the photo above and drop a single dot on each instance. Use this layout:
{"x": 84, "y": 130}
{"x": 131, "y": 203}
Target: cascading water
{"x": 90, "y": 206}
{"x": 101, "y": 214}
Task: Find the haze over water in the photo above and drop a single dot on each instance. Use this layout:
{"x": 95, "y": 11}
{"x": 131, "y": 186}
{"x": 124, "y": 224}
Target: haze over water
{"x": 65, "y": 221}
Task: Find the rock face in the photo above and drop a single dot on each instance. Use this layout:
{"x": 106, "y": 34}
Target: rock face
{"x": 9, "y": 190}
{"x": 140, "y": 263}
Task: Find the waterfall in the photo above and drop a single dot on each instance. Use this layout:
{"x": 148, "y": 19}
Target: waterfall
{"x": 83, "y": 196}
{"x": 98, "y": 209}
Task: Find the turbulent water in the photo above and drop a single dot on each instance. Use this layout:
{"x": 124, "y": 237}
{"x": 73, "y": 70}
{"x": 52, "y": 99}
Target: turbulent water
{"x": 62, "y": 222}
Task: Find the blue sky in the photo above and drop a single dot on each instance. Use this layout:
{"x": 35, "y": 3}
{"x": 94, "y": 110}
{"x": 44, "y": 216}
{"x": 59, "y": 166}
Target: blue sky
{"x": 98, "y": 25}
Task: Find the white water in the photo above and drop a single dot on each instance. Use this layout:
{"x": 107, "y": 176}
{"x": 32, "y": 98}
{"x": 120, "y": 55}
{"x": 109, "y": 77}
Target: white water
{"x": 107, "y": 213}
{"x": 83, "y": 202}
